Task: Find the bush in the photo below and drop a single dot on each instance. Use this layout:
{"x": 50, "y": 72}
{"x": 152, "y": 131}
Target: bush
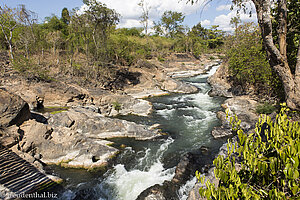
{"x": 270, "y": 163}
{"x": 265, "y": 108}
{"x": 117, "y": 106}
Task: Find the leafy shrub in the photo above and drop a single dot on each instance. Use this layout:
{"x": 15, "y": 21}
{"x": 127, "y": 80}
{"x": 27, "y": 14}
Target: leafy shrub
{"x": 265, "y": 108}
{"x": 270, "y": 163}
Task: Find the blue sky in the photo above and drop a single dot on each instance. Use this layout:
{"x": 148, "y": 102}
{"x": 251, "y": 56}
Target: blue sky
{"x": 215, "y": 13}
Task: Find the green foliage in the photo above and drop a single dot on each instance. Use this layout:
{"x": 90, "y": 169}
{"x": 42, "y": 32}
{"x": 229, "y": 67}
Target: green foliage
{"x": 130, "y": 31}
{"x": 201, "y": 39}
{"x": 248, "y": 63}
{"x": 270, "y": 163}
{"x": 117, "y": 106}
{"x": 266, "y": 108}
{"x": 170, "y": 24}
{"x": 102, "y": 20}
{"x": 65, "y": 16}
{"x": 53, "y": 109}
{"x": 53, "y": 23}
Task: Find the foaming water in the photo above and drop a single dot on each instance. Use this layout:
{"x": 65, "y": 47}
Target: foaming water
{"x": 129, "y": 184}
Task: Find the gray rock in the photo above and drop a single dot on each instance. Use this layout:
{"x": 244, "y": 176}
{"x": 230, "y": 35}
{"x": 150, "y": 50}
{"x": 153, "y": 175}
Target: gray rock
{"x": 245, "y": 109}
{"x": 94, "y": 125}
{"x": 185, "y": 169}
{"x": 194, "y": 193}
{"x": 219, "y": 132}
{"x": 129, "y": 105}
{"x": 13, "y": 109}
{"x": 10, "y": 136}
{"x": 64, "y": 146}
{"x": 178, "y": 87}
{"x": 219, "y": 83}
{"x": 76, "y": 138}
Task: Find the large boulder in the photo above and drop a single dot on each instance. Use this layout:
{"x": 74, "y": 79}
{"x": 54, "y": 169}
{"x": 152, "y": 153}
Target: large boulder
{"x": 64, "y": 147}
{"x": 95, "y": 125}
{"x": 40, "y": 94}
{"x": 244, "y": 107}
{"x": 76, "y": 138}
{"x": 178, "y": 86}
{"x": 13, "y": 109}
{"x": 219, "y": 82}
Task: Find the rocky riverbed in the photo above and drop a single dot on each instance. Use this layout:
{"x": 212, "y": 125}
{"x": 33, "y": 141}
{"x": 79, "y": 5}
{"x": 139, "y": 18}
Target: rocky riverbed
{"x": 76, "y": 134}
{"x": 75, "y": 125}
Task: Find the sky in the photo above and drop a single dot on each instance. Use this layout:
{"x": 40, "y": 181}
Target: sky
{"x": 217, "y": 12}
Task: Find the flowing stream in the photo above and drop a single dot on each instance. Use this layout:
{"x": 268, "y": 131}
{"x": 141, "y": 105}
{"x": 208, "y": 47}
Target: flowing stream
{"x": 187, "y": 119}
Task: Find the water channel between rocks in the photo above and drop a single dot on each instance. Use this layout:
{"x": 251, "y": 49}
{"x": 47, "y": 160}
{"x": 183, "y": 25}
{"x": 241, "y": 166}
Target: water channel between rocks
{"x": 187, "y": 118}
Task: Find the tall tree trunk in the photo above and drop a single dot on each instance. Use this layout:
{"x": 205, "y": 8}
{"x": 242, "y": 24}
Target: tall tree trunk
{"x": 10, "y": 45}
{"x": 277, "y": 58}
{"x": 282, "y": 30}
{"x": 297, "y": 73}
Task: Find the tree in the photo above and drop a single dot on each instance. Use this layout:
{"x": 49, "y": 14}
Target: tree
{"x": 235, "y": 21}
{"x": 101, "y": 19}
{"x": 53, "y": 24}
{"x": 172, "y": 23}
{"x": 27, "y": 37}
{"x": 247, "y": 62}
{"x": 215, "y": 37}
{"x": 198, "y": 37}
{"x": 65, "y": 16}
{"x": 158, "y": 29}
{"x": 54, "y": 38}
{"x": 145, "y": 15}
{"x": 9, "y": 21}
{"x": 199, "y": 31}
{"x": 81, "y": 31}
{"x": 277, "y": 56}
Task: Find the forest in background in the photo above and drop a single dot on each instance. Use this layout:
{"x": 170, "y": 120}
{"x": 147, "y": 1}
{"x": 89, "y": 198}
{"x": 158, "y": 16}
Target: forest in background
{"x": 89, "y": 44}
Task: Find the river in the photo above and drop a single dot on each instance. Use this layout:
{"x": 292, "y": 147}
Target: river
{"x": 187, "y": 119}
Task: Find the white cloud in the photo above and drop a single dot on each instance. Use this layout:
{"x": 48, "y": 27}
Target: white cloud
{"x": 223, "y": 7}
{"x": 224, "y": 20}
{"x": 129, "y": 23}
{"x": 205, "y": 23}
{"x": 130, "y": 11}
